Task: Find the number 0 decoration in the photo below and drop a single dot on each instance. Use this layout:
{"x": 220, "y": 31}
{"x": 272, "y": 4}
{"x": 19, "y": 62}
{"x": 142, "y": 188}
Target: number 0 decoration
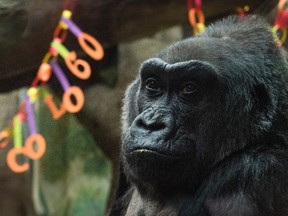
{"x": 35, "y": 144}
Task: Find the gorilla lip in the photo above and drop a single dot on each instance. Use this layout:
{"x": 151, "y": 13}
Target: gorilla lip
{"x": 155, "y": 153}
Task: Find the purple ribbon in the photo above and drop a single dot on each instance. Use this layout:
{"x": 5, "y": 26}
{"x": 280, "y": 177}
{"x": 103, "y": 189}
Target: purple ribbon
{"x": 30, "y": 116}
{"x": 72, "y": 26}
{"x": 60, "y": 75}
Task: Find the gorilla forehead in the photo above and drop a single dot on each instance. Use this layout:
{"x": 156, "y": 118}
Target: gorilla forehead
{"x": 197, "y": 55}
{"x": 160, "y": 66}
{"x": 229, "y": 58}
{"x": 203, "y": 49}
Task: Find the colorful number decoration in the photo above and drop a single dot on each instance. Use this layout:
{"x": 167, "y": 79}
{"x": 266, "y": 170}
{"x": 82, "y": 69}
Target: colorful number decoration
{"x": 28, "y": 149}
{"x": 95, "y": 50}
{"x": 72, "y": 99}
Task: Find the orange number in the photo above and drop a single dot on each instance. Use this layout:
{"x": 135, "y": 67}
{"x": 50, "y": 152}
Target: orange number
{"x": 74, "y": 66}
{"x": 96, "y": 51}
{"x": 12, "y": 162}
{"x": 56, "y": 113}
{"x": 27, "y": 150}
{"x": 79, "y": 96}
{"x": 41, "y": 146}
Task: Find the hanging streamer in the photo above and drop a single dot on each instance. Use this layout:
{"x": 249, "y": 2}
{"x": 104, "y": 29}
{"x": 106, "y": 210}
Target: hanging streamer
{"x": 243, "y": 11}
{"x": 69, "y": 90}
{"x": 94, "y": 50}
{"x": 196, "y": 16}
{"x": 280, "y": 26}
{"x": 35, "y": 144}
{"x": 17, "y": 149}
{"x": 34, "y": 140}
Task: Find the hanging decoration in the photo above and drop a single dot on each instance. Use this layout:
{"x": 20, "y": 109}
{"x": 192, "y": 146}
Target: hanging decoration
{"x": 35, "y": 144}
{"x": 280, "y": 25}
{"x": 242, "y": 11}
{"x": 196, "y": 16}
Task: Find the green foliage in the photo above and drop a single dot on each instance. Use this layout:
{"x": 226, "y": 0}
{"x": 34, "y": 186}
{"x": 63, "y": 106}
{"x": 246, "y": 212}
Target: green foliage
{"x": 73, "y": 160}
{"x": 88, "y": 202}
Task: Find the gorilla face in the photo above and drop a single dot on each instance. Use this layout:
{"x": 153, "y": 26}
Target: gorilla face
{"x": 172, "y": 121}
{"x": 200, "y": 100}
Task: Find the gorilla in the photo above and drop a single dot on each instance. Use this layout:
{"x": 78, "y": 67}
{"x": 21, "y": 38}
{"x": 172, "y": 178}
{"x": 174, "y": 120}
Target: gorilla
{"x": 205, "y": 128}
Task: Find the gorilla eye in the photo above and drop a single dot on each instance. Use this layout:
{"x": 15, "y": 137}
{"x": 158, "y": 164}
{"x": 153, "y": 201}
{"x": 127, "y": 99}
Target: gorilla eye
{"x": 189, "y": 89}
{"x": 152, "y": 85}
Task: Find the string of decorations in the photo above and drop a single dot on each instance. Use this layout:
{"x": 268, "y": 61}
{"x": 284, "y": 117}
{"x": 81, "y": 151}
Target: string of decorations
{"x": 280, "y": 26}
{"x": 78, "y": 67}
{"x": 242, "y": 11}
{"x": 82, "y": 70}
{"x": 196, "y": 16}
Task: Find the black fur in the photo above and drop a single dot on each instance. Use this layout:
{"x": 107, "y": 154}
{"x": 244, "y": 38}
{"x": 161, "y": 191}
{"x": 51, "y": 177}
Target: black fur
{"x": 205, "y": 127}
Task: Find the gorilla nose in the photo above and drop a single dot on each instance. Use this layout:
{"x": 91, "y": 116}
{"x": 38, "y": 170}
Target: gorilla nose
{"x": 154, "y": 120}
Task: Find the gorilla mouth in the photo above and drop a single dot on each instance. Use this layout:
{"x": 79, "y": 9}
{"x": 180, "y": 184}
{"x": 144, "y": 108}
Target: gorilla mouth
{"x": 153, "y": 153}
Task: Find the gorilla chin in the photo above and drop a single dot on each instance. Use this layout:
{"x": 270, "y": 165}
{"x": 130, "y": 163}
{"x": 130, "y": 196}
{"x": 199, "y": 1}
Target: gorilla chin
{"x": 141, "y": 153}
{"x": 139, "y": 162}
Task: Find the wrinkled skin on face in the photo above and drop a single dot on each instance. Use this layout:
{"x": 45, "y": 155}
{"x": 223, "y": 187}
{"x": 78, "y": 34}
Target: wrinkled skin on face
{"x": 173, "y": 101}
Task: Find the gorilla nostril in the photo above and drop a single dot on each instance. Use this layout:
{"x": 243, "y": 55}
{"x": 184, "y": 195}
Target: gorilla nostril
{"x": 157, "y": 126}
{"x": 140, "y": 124}
{"x": 150, "y": 125}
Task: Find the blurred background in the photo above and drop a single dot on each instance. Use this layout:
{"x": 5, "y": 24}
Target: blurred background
{"x": 78, "y": 173}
